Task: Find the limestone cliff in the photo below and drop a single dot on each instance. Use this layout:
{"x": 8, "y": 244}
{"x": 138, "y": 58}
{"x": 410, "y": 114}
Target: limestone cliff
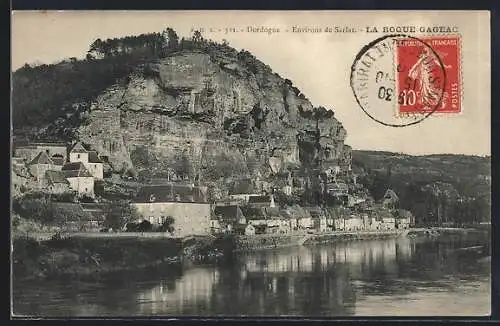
{"x": 205, "y": 116}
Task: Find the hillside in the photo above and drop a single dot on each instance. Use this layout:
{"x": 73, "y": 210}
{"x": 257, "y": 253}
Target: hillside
{"x": 459, "y": 183}
{"x": 188, "y": 109}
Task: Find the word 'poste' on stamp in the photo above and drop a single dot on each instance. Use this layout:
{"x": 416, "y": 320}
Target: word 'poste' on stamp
{"x": 421, "y": 79}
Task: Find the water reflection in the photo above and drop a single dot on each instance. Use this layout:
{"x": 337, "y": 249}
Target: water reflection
{"x": 332, "y": 280}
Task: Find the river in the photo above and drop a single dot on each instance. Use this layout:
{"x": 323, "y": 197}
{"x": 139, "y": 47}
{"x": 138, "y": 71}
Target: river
{"x": 442, "y": 276}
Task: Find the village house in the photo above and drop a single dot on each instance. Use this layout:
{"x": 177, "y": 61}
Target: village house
{"x": 318, "y": 218}
{"x": 90, "y": 159}
{"x": 95, "y": 165}
{"x": 79, "y": 178}
{"x": 255, "y": 215}
{"x": 350, "y": 223}
{"x": 187, "y": 204}
{"x": 227, "y": 217}
{"x": 40, "y": 164}
{"x": 29, "y": 151}
{"x": 56, "y": 183}
{"x": 404, "y": 219}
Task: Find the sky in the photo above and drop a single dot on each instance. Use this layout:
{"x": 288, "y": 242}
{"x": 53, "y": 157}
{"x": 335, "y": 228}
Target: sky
{"x": 319, "y": 64}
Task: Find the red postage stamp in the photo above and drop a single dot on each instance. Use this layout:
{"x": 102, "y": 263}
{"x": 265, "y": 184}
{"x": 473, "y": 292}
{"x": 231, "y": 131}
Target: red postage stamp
{"x": 428, "y": 76}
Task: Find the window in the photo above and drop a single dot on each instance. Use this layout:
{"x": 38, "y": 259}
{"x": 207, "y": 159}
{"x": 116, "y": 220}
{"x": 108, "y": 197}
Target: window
{"x": 78, "y": 156}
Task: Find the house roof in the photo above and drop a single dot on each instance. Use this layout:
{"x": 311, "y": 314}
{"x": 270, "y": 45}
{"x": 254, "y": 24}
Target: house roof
{"x": 54, "y": 177}
{"x": 253, "y": 213}
{"x": 229, "y": 212}
{"x": 94, "y": 157}
{"x": 78, "y": 148}
{"x": 171, "y": 193}
{"x": 390, "y": 194}
{"x": 259, "y": 199}
{"x": 74, "y": 170}
{"x": 41, "y": 158}
{"x": 273, "y": 212}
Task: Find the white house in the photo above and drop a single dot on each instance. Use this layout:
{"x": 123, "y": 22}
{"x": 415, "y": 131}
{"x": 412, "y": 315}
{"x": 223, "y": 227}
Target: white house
{"x": 79, "y": 178}
{"x": 90, "y": 159}
{"x": 187, "y": 204}
{"x": 78, "y": 154}
{"x": 41, "y": 164}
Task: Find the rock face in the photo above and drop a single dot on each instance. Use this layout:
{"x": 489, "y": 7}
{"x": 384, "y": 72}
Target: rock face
{"x": 196, "y": 116}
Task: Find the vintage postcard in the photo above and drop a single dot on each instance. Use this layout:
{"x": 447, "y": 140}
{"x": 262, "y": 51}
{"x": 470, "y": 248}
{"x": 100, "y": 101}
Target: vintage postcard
{"x": 250, "y": 163}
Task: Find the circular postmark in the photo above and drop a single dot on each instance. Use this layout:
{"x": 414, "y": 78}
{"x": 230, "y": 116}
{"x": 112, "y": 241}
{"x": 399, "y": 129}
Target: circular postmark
{"x": 398, "y": 80}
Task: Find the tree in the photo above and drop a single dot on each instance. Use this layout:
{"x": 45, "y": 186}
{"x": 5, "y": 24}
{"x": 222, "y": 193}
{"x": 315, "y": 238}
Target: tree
{"x": 35, "y": 206}
{"x": 119, "y": 213}
{"x": 167, "y": 225}
{"x": 170, "y": 39}
{"x": 197, "y": 37}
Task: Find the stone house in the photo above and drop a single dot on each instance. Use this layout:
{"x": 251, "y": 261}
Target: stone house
{"x": 78, "y": 153}
{"x": 278, "y": 225}
{"x": 255, "y": 215}
{"x": 90, "y": 159}
{"x": 187, "y": 204}
{"x": 388, "y": 223}
{"x": 374, "y": 224}
{"x": 229, "y": 214}
{"x": 318, "y": 218}
{"x": 403, "y": 223}
{"x": 95, "y": 165}
{"x": 305, "y": 222}
{"x": 56, "y": 183}
{"x": 404, "y": 219}
{"x": 40, "y": 164}
{"x": 79, "y": 178}
{"x": 227, "y": 217}
{"x": 247, "y": 229}
{"x": 349, "y": 223}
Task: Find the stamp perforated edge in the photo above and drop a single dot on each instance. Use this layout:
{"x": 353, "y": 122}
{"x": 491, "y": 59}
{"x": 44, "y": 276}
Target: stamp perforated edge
{"x": 418, "y": 115}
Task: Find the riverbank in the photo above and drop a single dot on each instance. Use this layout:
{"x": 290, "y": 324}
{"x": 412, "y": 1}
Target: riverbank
{"x": 90, "y": 257}
{"x": 269, "y": 241}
